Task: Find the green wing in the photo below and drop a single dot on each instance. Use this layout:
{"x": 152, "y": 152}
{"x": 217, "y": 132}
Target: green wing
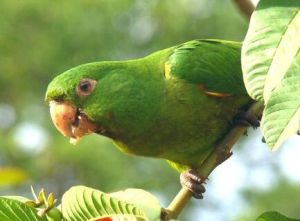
{"x": 214, "y": 65}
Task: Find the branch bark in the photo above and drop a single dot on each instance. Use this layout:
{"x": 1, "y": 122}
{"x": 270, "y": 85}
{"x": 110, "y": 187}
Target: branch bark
{"x": 245, "y": 6}
{"x": 218, "y": 156}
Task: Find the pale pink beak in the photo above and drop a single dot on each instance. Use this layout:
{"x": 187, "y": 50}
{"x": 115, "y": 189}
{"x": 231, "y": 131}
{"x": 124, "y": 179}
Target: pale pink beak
{"x": 70, "y": 121}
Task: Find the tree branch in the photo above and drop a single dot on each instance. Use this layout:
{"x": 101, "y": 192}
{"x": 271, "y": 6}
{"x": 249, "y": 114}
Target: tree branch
{"x": 221, "y": 153}
{"x": 245, "y": 6}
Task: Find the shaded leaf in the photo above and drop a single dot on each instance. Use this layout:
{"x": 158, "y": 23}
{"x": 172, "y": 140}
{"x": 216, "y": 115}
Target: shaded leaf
{"x": 274, "y": 216}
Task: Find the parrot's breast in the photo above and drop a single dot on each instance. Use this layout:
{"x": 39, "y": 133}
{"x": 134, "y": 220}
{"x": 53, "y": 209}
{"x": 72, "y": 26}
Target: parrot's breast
{"x": 185, "y": 127}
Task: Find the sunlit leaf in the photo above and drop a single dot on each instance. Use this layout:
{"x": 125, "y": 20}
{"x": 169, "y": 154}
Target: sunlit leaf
{"x": 281, "y": 115}
{"x": 18, "y": 198}
{"x": 143, "y": 199}
{"x": 14, "y": 210}
{"x": 271, "y": 66}
{"x": 82, "y": 203}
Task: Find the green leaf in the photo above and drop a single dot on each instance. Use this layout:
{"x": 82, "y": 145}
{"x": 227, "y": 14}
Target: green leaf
{"x": 271, "y": 66}
{"x": 274, "y": 216}
{"x": 14, "y": 210}
{"x": 82, "y": 203}
{"x": 281, "y": 115}
{"x": 141, "y": 198}
{"x": 18, "y": 198}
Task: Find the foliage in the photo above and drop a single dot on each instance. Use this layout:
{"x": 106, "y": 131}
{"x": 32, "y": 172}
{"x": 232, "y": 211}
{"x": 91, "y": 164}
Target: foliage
{"x": 14, "y": 210}
{"x": 274, "y": 216}
{"x": 82, "y": 203}
{"x": 271, "y": 65}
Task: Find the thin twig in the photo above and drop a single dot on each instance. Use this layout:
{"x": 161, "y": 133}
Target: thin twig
{"x": 245, "y": 6}
{"x": 218, "y": 156}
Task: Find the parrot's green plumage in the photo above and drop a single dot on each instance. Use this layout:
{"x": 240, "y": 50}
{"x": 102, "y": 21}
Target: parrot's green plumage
{"x": 175, "y": 104}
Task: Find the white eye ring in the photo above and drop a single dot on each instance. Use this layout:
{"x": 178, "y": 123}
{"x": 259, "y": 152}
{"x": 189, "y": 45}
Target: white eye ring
{"x": 85, "y": 87}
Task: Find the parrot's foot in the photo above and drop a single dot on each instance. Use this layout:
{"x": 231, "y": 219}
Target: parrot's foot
{"x": 246, "y": 119}
{"x": 192, "y": 180}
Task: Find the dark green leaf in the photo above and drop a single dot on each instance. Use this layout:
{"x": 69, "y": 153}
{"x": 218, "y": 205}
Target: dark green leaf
{"x": 274, "y": 216}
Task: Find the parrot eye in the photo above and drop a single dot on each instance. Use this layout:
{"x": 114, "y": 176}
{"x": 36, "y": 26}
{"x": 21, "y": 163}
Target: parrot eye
{"x": 85, "y": 87}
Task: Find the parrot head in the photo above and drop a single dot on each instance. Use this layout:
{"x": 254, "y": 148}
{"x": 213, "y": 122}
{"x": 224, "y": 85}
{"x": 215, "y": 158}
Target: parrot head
{"x": 106, "y": 98}
{"x": 76, "y": 99}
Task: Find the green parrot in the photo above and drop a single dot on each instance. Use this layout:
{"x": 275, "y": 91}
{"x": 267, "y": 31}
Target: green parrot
{"x": 174, "y": 104}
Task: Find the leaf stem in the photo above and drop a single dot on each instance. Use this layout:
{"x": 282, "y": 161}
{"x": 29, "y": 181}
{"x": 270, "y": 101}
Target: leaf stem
{"x": 221, "y": 153}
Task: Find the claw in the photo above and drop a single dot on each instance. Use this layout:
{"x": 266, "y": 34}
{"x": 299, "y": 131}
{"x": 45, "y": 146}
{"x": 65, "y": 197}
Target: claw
{"x": 246, "y": 119}
{"x": 192, "y": 180}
